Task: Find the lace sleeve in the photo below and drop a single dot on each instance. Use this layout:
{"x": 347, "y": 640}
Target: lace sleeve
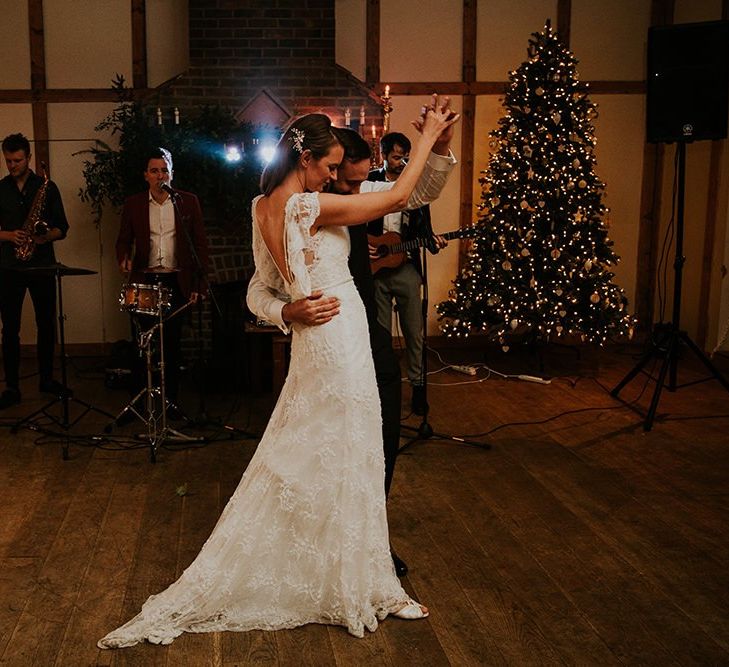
{"x": 301, "y": 213}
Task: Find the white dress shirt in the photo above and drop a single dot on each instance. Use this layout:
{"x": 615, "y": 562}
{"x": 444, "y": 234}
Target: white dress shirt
{"x": 162, "y": 234}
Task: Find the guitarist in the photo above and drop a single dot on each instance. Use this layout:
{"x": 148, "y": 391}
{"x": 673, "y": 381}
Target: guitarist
{"x": 404, "y": 282}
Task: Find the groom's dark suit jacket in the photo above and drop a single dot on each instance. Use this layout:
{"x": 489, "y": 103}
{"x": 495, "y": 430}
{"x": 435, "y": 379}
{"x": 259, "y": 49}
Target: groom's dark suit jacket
{"x": 387, "y": 367}
{"x": 134, "y": 234}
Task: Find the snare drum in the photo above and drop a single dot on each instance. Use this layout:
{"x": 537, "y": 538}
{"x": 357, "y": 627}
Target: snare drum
{"x": 144, "y": 299}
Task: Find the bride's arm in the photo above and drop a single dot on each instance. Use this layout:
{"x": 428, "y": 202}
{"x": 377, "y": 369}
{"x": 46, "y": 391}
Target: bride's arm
{"x": 355, "y": 209}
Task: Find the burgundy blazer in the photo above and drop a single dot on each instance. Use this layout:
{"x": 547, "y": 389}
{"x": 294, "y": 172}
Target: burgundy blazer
{"x": 133, "y": 239}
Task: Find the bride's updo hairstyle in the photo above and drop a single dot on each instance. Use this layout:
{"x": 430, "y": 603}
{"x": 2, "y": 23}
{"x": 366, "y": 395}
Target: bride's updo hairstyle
{"x": 312, "y": 132}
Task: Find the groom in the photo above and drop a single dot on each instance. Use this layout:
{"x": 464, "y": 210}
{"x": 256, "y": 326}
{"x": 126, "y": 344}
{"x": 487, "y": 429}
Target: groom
{"x": 319, "y": 309}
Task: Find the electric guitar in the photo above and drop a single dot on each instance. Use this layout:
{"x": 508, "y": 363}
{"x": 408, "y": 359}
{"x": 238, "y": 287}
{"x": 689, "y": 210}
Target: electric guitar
{"x": 392, "y": 250}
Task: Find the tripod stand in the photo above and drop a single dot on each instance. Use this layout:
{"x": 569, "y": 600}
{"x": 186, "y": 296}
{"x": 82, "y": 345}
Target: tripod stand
{"x": 155, "y": 418}
{"x": 669, "y": 344}
{"x": 425, "y": 430}
{"x": 65, "y": 397}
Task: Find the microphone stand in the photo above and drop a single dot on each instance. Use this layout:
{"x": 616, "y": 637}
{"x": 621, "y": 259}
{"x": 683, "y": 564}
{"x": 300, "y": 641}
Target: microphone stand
{"x": 425, "y": 430}
{"x": 202, "y": 419}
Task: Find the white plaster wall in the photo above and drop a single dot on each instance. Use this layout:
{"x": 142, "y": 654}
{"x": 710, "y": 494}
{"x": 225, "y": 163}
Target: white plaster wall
{"x": 86, "y": 42}
{"x": 503, "y": 32}
{"x": 418, "y": 44}
{"x": 351, "y": 36}
{"x": 168, "y": 49}
{"x": 15, "y": 51}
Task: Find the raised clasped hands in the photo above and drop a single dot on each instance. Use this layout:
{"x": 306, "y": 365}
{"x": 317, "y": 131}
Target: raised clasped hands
{"x": 437, "y": 118}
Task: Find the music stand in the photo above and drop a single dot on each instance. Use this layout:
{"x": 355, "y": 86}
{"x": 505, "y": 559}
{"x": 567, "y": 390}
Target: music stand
{"x": 58, "y": 271}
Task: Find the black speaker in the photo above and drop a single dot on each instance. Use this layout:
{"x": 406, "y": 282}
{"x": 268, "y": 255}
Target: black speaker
{"x": 687, "y": 93}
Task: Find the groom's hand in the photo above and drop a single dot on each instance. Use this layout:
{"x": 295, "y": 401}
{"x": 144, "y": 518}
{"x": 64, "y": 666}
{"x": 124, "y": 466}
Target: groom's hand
{"x": 311, "y": 311}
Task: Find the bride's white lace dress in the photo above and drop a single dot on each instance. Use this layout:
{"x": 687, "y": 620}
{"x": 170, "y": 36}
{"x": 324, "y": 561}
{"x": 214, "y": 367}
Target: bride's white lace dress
{"x": 304, "y": 538}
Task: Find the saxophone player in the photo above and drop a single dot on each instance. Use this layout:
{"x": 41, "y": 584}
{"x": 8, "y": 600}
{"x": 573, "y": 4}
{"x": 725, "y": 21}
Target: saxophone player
{"x": 25, "y": 196}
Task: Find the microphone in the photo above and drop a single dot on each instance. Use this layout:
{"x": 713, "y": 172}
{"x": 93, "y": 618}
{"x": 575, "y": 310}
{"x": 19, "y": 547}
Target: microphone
{"x": 172, "y": 193}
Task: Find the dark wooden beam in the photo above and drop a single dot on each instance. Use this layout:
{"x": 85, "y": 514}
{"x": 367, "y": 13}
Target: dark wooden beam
{"x": 139, "y": 43}
{"x": 500, "y": 87}
{"x": 40, "y": 134}
{"x": 372, "y": 69}
{"x": 19, "y": 96}
{"x": 37, "y": 45}
{"x": 468, "y": 125}
{"x": 38, "y": 80}
{"x": 564, "y": 21}
{"x": 468, "y": 120}
{"x": 708, "y": 278}
{"x": 650, "y": 207}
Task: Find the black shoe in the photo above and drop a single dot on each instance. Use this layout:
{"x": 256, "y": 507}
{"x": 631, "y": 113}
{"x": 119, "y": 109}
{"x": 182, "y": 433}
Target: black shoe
{"x": 419, "y": 405}
{"x": 401, "y": 569}
{"x": 54, "y": 387}
{"x": 9, "y": 397}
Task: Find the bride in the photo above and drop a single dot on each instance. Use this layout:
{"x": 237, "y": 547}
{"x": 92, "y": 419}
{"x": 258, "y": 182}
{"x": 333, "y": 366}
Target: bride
{"x": 304, "y": 537}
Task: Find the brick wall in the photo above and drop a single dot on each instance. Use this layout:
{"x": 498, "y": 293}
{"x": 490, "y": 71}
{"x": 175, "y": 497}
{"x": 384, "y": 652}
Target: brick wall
{"x": 237, "y": 49}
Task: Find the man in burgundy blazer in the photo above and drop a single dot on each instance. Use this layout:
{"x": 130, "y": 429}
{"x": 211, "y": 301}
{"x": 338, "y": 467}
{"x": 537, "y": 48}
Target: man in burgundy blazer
{"x": 153, "y": 246}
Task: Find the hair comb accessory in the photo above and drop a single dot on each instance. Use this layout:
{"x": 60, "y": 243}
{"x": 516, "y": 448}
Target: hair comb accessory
{"x": 297, "y": 139}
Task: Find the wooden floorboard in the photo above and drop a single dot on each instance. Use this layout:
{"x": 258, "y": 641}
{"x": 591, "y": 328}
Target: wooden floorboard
{"x": 578, "y": 539}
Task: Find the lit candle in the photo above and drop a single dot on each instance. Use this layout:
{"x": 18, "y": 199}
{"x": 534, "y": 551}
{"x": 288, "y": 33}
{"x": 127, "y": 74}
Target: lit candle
{"x": 387, "y": 90}
{"x": 347, "y": 117}
{"x": 177, "y": 116}
{"x": 362, "y": 118}
{"x": 374, "y": 134}
{"x": 159, "y": 116}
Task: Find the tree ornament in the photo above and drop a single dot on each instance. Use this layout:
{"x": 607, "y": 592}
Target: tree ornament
{"x": 562, "y": 313}
{"x": 527, "y": 151}
{"x": 556, "y": 117}
{"x": 524, "y": 203}
{"x": 582, "y": 183}
{"x": 575, "y": 163}
{"x": 495, "y": 201}
{"x": 514, "y": 324}
{"x": 525, "y": 252}
{"x": 588, "y": 264}
{"x": 595, "y": 297}
{"x": 558, "y": 291}
{"x": 555, "y": 253}
{"x": 539, "y": 91}
{"x": 506, "y": 265}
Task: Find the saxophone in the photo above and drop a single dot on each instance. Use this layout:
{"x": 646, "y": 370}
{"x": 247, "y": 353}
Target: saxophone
{"x": 33, "y": 224}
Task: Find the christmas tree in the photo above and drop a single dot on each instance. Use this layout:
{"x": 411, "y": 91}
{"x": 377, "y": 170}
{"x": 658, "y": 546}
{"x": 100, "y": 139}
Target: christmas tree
{"x": 540, "y": 264}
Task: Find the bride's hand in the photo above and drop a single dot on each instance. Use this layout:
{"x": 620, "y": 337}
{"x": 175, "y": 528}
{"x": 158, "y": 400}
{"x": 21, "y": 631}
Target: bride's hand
{"x": 437, "y": 119}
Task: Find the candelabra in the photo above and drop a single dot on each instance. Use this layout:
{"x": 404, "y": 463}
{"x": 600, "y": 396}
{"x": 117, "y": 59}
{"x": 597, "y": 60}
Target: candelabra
{"x": 386, "y": 110}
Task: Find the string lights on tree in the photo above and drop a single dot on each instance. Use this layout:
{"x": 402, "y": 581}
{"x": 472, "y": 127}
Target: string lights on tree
{"x": 541, "y": 264}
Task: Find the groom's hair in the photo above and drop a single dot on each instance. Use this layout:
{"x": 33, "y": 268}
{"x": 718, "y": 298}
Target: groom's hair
{"x": 355, "y": 146}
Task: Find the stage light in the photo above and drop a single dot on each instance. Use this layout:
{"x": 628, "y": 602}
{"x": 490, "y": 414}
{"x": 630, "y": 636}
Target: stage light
{"x": 233, "y": 153}
{"x": 266, "y": 151}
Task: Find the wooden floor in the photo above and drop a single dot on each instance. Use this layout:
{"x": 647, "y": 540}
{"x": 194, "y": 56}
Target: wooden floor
{"x": 579, "y": 540}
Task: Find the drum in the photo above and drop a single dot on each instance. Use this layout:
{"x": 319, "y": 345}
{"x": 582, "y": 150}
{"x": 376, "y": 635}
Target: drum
{"x": 144, "y": 299}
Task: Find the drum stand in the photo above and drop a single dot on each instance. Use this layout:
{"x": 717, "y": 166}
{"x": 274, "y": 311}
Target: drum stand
{"x": 158, "y": 430}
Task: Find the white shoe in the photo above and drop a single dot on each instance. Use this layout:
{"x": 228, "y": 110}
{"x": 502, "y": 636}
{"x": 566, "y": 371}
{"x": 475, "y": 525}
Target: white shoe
{"x": 412, "y": 611}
